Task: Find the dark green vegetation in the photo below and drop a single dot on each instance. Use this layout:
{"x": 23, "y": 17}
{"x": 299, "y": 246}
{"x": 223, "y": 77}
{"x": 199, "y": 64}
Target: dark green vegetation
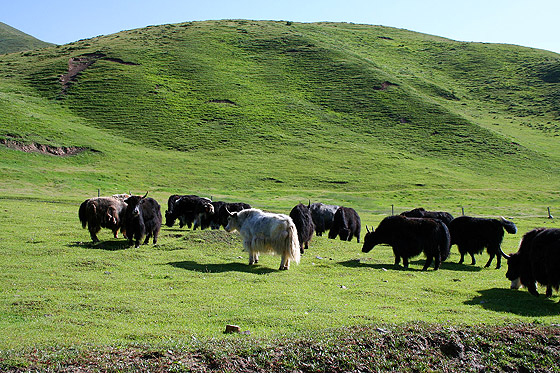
{"x": 268, "y": 113}
{"x": 13, "y": 40}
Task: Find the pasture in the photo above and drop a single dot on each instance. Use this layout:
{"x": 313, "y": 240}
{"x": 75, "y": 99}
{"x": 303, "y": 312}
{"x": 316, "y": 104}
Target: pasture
{"x": 60, "y": 289}
{"x": 271, "y": 114}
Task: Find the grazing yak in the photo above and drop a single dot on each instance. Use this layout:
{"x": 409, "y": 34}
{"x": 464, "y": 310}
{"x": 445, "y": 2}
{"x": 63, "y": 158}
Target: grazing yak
{"x": 537, "y": 260}
{"x": 143, "y": 219}
{"x": 346, "y": 224}
{"x": 189, "y": 209}
{"x": 107, "y": 212}
{"x": 323, "y": 216}
{"x": 472, "y": 235}
{"x": 266, "y": 232}
{"x": 411, "y": 236}
{"x": 301, "y": 215}
{"x": 423, "y": 213}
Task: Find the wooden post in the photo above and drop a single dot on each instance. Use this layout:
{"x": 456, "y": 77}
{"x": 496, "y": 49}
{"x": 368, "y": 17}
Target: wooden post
{"x": 392, "y": 209}
{"x": 98, "y": 192}
{"x": 463, "y": 211}
{"x": 549, "y": 215}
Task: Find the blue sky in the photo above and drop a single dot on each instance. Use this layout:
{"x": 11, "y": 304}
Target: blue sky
{"x": 532, "y": 23}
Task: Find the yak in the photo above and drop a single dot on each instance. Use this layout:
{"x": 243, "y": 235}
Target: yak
{"x": 472, "y": 235}
{"x": 143, "y": 219}
{"x": 189, "y": 209}
{"x": 222, "y": 214}
{"x": 536, "y": 261}
{"x": 323, "y": 216}
{"x": 423, "y": 213}
{"x": 106, "y": 212}
{"x": 301, "y": 215}
{"x": 411, "y": 236}
{"x": 346, "y": 224}
{"x": 266, "y": 232}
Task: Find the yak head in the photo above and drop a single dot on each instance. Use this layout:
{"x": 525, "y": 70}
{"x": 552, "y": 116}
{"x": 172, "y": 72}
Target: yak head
{"x": 370, "y": 240}
{"x": 169, "y": 218}
{"x": 514, "y": 262}
{"x": 232, "y": 221}
{"x": 134, "y": 203}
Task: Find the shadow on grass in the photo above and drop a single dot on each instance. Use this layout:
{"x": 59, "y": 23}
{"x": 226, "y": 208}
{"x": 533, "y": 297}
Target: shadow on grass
{"x": 221, "y": 268}
{"x": 108, "y": 245}
{"x": 415, "y": 265}
{"x": 518, "y": 302}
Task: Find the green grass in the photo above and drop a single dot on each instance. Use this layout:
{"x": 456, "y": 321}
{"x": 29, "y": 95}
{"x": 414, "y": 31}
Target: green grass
{"x": 270, "y": 114}
{"x": 59, "y": 289}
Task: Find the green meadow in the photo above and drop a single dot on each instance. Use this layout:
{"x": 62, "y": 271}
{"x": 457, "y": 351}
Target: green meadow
{"x": 272, "y": 114}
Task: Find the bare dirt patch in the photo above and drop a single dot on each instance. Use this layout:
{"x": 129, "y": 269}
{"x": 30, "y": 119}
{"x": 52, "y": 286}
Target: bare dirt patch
{"x": 44, "y": 148}
{"x": 80, "y": 63}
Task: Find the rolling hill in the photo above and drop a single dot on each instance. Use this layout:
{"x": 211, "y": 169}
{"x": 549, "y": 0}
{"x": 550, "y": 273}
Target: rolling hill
{"x": 13, "y": 40}
{"x": 302, "y": 109}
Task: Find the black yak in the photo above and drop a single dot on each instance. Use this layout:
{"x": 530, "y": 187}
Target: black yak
{"x": 266, "y": 232}
{"x": 106, "y": 212}
{"x": 472, "y": 235}
{"x": 537, "y": 260}
{"x": 346, "y": 224}
{"x": 301, "y": 215}
{"x": 323, "y": 216}
{"x": 189, "y": 209}
{"x": 423, "y": 213}
{"x": 143, "y": 219}
{"x": 222, "y": 214}
{"x": 411, "y": 236}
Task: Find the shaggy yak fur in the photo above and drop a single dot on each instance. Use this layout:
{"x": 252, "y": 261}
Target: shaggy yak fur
{"x": 537, "y": 260}
{"x": 323, "y": 216}
{"x": 266, "y": 232}
{"x": 411, "y": 236}
{"x": 472, "y": 235}
{"x": 143, "y": 218}
{"x": 189, "y": 209}
{"x": 301, "y": 215}
{"x": 107, "y": 212}
{"x": 346, "y": 224}
{"x": 423, "y": 213}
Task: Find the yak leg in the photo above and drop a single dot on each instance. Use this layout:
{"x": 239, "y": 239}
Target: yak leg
{"x": 532, "y": 288}
{"x": 253, "y": 258}
{"x": 405, "y": 262}
{"x": 473, "y": 262}
{"x": 156, "y": 233}
{"x": 548, "y": 291}
{"x": 429, "y": 260}
{"x": 116, "y": 233}
{"x": 147, "y": 240}
{"x": 285, "y": 263}
{"x": 438, "y": 262}
{"x": 462, "y": 258}
{"x": 93, "y": 233}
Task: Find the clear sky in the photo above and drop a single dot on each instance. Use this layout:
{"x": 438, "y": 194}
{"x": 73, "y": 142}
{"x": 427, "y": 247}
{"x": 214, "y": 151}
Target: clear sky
{"x": 532, "y": 23}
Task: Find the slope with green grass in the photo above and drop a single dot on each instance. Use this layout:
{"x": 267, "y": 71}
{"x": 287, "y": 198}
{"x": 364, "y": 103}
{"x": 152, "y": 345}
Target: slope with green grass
{"x": 13, "y": 40}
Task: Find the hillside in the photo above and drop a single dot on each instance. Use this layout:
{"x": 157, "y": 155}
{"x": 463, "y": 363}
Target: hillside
{"x": 13, "y": 40}
{"x": 246, "y": 105}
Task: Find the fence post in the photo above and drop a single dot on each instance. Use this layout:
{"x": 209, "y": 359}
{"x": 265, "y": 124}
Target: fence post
{"x": 392, "y": 209}
{"x": 98, "y": 192}
{"x": 463, "y": 211}
{"x": 549, "y": 215}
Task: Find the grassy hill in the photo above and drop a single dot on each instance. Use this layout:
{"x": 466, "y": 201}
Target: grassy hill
{"x": 13, "y": 40}
{"x": 318, "y": 107}
{"x": 270, "y": 113}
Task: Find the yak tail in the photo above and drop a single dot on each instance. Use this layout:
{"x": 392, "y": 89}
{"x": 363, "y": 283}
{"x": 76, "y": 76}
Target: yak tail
{"x": 444, "y": 242}
{"x": 508, "y": 225}
{"x": 82, "y": 213}
{"x": 293, "y": 244}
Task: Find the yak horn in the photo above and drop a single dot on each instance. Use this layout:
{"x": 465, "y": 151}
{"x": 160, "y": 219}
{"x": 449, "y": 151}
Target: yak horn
{"x": 227, "y": 210}
{"x": 143, "y": 197}
{"x": 504, "y": 255}
{"x": 367, "y": 229}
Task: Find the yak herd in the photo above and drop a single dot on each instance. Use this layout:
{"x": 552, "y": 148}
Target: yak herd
{"x": 409, "y": 234}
